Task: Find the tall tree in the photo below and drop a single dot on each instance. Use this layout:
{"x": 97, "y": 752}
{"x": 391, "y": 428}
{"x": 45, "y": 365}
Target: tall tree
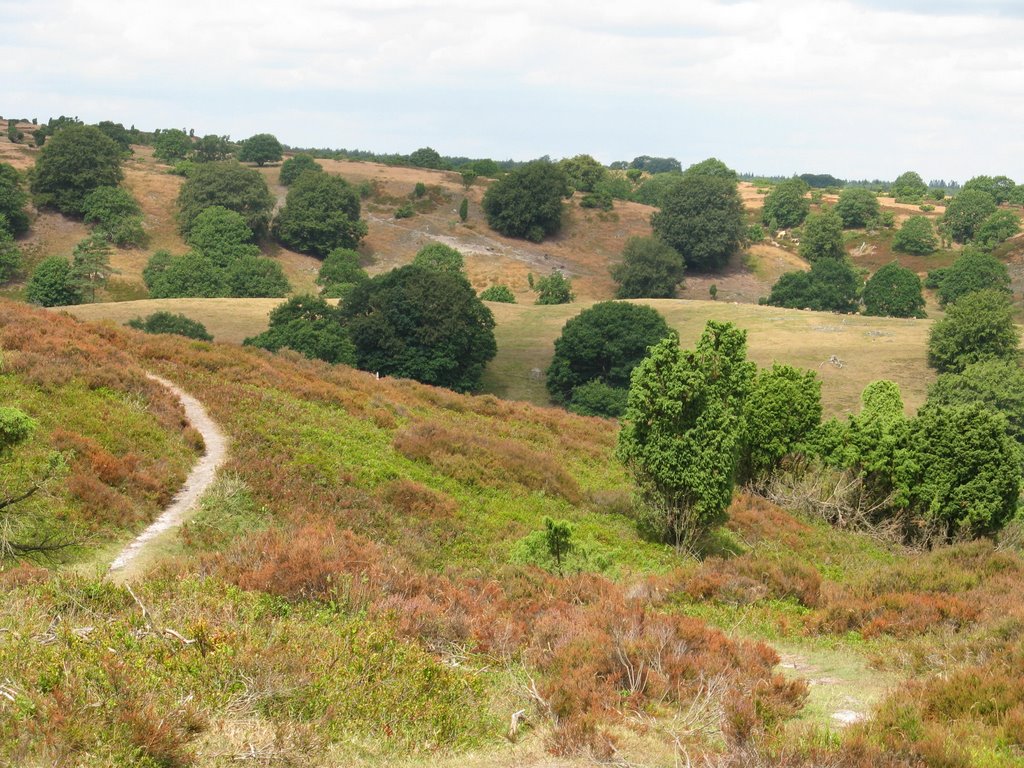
{"x": 77, "y": 160}
{"x": 702, "y": 218}
{"x": 320, "y": 213}
{"x": 527, "y": 202}
{"x": 261, "y": 149}
{"x": 650, "y": 269}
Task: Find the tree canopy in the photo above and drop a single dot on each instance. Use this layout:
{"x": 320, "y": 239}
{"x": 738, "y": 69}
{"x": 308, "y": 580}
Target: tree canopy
{"x": 857, "y": 207}
{"x": 421, "y": 324}
{"x": 978, "y": 327}
{"x": 77, "y": 160}
{"x": 822, "y": 236}
{"x": 222, "y": 235}
{"x": 831, "y": 286}
{"x": 649, "y": 269}
{"x": 916, "y": 236}
{"x": 997, "y": 384}
{"x": 527, "y": 202}
{"x": 439, "y": 256}
{"x": 909, "y": 187}
{"x": 228, "y": 184}
{"x": 176, "y": 324}
{"x": 583, "y": 172}
{"x": 783, "y": 406}
{"x": 321, "y": 213}
{"x": 311, "y": 327}
{"x": 603, "y": 343}
{"x": 13, "y": 199}
{"x": 297, "y": 165}
{"x": 261, "y": 149}
{"x": 340, "y": 272}
{"x": 53, "y": 284}
{"x": 555, "y": 288}
{"x": 785, "y": 206}
{"x": 996, "y": 228}
{"x": 701, "y": 217}
{"x": 999, "y": 188}
{"x": 973, "y": 271}
{"x": 171, "y": 144}
{"x": 966, "y": 212}
{"x": 894, "y": 291}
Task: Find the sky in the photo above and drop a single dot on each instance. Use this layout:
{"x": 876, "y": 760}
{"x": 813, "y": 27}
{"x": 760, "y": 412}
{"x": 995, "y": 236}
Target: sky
{"x": 855, "y": 88}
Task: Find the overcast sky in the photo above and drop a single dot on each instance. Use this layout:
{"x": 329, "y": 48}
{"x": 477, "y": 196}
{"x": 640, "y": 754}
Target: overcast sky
{"x": 865, "y": 88}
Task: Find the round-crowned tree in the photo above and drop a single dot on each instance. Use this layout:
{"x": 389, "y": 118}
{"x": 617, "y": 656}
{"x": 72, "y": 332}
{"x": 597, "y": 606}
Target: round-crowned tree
{"x": 702, "y": 218}
{"x": 649, "y": 269}
{"x": 583, "y": 171}
{"x": 171, "y": 144}
{"x": 321, "y": 213}
{"x": 340, "y": 272}
{"x": 297, "y": 165}
{"x": 822, "y": 236}
{"x": 603, "y": 343}
{"x": 966, "y": 212}
{"x": 439, "y": 256}
{"x": 831, "y": 286}
{"x": 421, "y": 324}
{"x": 909, "y": 187}
{"x": 1000, "y": 188}
{"x": 311, "y": 327}
{"x": 894, "y": 291}
{"x": 222, "y": 236}
{"x": 712, "y": 166}
{"x": 77, "y": 160}
{"x": 785, "y": 206}
{"x": 857, "y": 207}
{"x": 256, "y": 277}
{"x": 261, "y": 149}
{"x": 916, "y": 236}
{"x": 166, "y": 322}
{"x": 229, "y": 184}
{"x": 527, "y": 202}
{"x": 996, "y": 228}
{"x": 973, "y": 271}
{"x": 53, "y": 284}
{"x": 978, "y": 327}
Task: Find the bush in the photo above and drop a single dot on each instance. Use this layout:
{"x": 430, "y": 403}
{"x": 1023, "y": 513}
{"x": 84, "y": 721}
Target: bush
{"x": 77, "y": 160}
{"x": 998, "y": 227}
{"x": 421, "y": 324}
{"x": 857, "y": 207}
{"x": 228, "y": 184}
{"x": 311, "y": 327}
{"x": 554, "y": 289}
{"x": 595, "y": 398}
{"x": 583, "y": 172}
{"x": 321, "y": 213}
{"x": 13, "y": 200}
{"x": 222, "y": 236}
{"x": 996, "y": 384}
{"x": 464, "y": 209}
{"x": 649, "y": 269}
{"x": 655, "y": 189}
{"x": 405, "y": 211}
{"x": 297, "y": 165}
{"x": 340, "y": 272}
{"x": 973, "y": 271}
{"x": 978, "y": 327}
{"x": 965, "y": 213}
{"x": 419, "y": 190}
{"x": 822, "y": 236}
{"x": 211, "y": 149}
{"x": 501, "y": 294}
{"x": 440, "y": 257}
{"x": 894, "y": 291}
{"x": 256, "y": 277}
{"x": 190, "y": 276}
{"x": 527, "y": 202}
{"x": 261, "y": 149}
{"x": 785, "y": 206}
{"x": 10, "y": 257}
{"x": 116, "y": 214}
{"x": 171, "y": 144}
{"x": 783, "y": 406}
{"x": 599, "y": 200}
{"x": 909, "y": 187}
{"x": 52, "y": 283}
{"x": 916, "y": 236}
{"x": 603, "y": 343}
{"x": 165, "y": 322}
{"x": 831, "y": 286}
{"x": 999, "y": 188}
{"x": 701, "y": 217}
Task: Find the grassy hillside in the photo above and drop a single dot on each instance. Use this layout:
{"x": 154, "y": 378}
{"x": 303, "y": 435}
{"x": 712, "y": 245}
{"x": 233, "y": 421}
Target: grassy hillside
{"x": 870, "y": 347}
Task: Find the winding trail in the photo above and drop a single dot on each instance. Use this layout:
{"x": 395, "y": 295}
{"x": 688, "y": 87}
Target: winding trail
{"x": 198, "y": 480}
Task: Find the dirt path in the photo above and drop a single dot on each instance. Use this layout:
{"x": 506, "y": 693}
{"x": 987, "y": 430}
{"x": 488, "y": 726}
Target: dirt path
{"x": 199, "y": 479}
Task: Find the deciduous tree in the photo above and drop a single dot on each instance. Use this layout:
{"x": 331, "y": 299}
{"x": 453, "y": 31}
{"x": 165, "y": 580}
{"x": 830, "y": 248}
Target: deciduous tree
{"x": 77, "y": 160}
{"x": 649, "y": 269}
{"x": 321, "y": 213}
{"x": 527, "y": 202}
{"x": 894, "y": 291}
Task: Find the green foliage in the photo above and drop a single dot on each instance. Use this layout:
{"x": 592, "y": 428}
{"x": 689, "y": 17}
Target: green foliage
{"x": 426, "y": 157}
{"x": 229, "y": 184}
{"x": 999, "y": 188}
{"x": 405, "y": 211}
{"x": 13, "y": 199}
{"x": 683, "y": 428}
{"x": 166, "y": 322}
{"x": 595, "y": 398}
{"x": 894, "y": 291}
{"x": 965, "y": 213}
{"x": 998, "y": 227}
{"x": 498, "y": 293}
{"x": 909, "y": 187}
{"x": 583, "y": 172}
{"x": 116, "y": 214}
{"x": 211, "y": 149}
{"x": 421, "y": 324}
{"x": 527, "y": 202}
{"x": 171, "y": 144}
{"x": 439, "y": 256}
{"x": 222, "y": 235}
{"x": 978, "y": 327}
{"x": 832, "y": 285}
{"x": 321, "y": 213}
{"x": 783, "y": 407}
{"x": 14, "y": 135}
{"x": 193, "y": 275}
{"x": 535, "y": 549}
{"x": 297, "y": 165}
{"x": 916, "y": 236}
{"x": 261, "y": 149}
{"x": 558, "y": 537}
{"x": 553, "y": 289}
{"x": 601, "y": 200}
{"x": 702, "y": 218}
{"x": 340, "y": 272}
{"x": 656, "y": 165}
{"x": 311, "y": 327}
{"x": 649, "y": 269}
{"x": 256, "y": 277}
{"x": 655, "y": 189}
{"x": 603, "y": 343}
{"x": 857, "y": 207}
{"x": 77, "y": 160}
{"x": 711, "y": 167}
{"x": 419, "y": 190}
{"x": 53, "y": 284}
{"x": 118, "y": 134}
{"x": 464, "y": 209}
{"x": 10, "y": 257}
{"x": 960, "y": 470}
{"x": 756, "y": 233}
{"x": 785, "y": 206}
{"x": 90, "y": 265}
{"x": 468, "y": 177}
{"x": 822, "y": 236}
{"x": 973, "y": 271}
{"x": 996, "y": 384}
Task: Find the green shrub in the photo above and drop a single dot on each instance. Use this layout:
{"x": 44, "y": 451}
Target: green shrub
{"x": 978, "y": 327}
{"x": 965, "y": 213}
{"x": 894, "y": 291}
{"x": 997, "y": 228}
{"x": 77, "y": 160}
{"x": 501, "y": 294}
{"x": 916, "y": 236}
{"x": 554, "y": 289}
{"x": 339, "y": 272}
{"x": 222, "y": 236}
{"x": 831, "y": 286}
{"x": 649, "y": 269}
{"x": 166, "y": 322}
{"x": 13, "y": 199}
{"x": 786, "y": 206}
{"x": 190, "y": 276}
{"x": 464, "y": 209}
{"x": 439, "y": 256}
{"x": 10, "y": 257}
{"x": 405, "y": 211}
{"x": 822, "y": 236}
{"x": 311, "y": 327}
{"x": 783, "y": 406}
{"x": 256, "y": 277}
{"x": 527, "y": 202}
{"x": 973, "y": 271}
{"x": 53, "y": 284}
{"x": 297, "y": 165}
{"x": 419, "y": 190}
{"x": 116, "y": 214}
{"x": 857, "y": 207}
{"x": 229, "y": 184}
{"x": 321, "y": 213}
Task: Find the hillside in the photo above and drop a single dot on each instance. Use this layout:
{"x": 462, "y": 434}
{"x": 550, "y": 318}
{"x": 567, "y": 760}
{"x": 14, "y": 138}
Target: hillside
{"x": 357, "y": 589}
{"x": 870, "y": 348}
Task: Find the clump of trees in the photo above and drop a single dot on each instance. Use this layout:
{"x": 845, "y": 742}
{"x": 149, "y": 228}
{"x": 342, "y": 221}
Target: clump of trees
{"x": 230, "y": 185}
{"x": 13, "y": 201}
{"x": 527, "y": 202}
{"x": 321, "y": 213}
{"x": 649, "y": 269}
{"x": 76, "y": 161}
{"x": 310, "y": 326}
{"x": 822, "y": 236}
{"x": 170, "y": 323}
{"x": 53, "y": 284}
{"x": 340, "y": 273}
{"x": 786, "y": 206}
{"x": 831, "y": 285}
{"x": 972, "y": 271}
{"x": 965, "y": 213}
{"x": 116, "y": 216}
{"x": 909, "y": 187}
{"x": 600, "y": 347}
{"x": 297, "y": 165}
